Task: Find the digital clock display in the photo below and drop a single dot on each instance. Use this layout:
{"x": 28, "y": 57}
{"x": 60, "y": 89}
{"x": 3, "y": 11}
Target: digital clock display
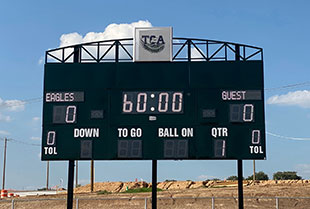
{"x": 152, "y": 102}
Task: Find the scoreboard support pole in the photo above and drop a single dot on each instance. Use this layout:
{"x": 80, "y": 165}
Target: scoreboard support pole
{"x": 154, "y": 184}
{"x": 76, "y": 59}
{"x": 70, "y": 184}
{"x": 240, "y": 184}
{"x": 240, "y": 175}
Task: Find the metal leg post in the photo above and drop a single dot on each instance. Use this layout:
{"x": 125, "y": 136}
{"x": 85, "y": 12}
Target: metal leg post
{"x": 154, "y": 184}
{"x": 70, "y": 184}
{"x": 240, "y": 184}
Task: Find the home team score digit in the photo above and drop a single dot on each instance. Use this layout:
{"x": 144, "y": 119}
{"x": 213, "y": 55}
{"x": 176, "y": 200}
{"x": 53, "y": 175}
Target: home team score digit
{"x": 152, "y": 102}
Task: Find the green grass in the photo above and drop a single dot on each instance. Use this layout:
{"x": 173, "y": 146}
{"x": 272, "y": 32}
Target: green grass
{"x": 139, "y": 190}
{"x": 219, "y": 186}
{"x": 104, "y": 192}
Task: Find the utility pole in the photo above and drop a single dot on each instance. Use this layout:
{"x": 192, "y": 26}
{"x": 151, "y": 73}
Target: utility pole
{"x": 47, "y": 173}
{"x": 254, "y": 177}
{"x": 92, "y": 175}
{"x": 76, "y": 174}
{"x": 4, "y": 162}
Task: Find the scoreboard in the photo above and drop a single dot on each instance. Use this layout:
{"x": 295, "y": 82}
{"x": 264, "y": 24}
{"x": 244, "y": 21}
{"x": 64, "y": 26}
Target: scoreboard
{"x": 154, "y": 110}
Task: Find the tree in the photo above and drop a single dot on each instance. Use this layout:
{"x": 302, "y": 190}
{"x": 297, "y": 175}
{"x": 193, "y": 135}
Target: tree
{"x": 232, "y": 178}
{"x": 213, "y": 179}
{"x": 259, "y": 176}
{"x": 286, "y": 175}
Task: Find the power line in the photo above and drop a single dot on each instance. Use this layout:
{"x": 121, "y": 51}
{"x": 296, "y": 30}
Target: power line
{"x": 25, "y": 143}
{"x": 288, "y": 137}
{"x": 289, "y": 86}
{"x": 21, "y": 142}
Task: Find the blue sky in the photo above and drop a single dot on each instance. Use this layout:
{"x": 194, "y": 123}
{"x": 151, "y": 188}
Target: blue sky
{"x": 29, "y": 28}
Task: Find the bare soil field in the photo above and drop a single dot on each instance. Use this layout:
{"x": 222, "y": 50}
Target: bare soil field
{"x": 177, "y": 194}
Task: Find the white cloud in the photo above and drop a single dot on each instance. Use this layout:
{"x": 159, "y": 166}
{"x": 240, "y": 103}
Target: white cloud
{"x": 4, "y": 132}
{"x": 5, "y": 118}
{"x": 303, "y": 170}
{"x": 36, "y": 118}
{"x": 295, "y": 98}
{"x": 70, "y": 39}
{"x": 41, "y": 60}
{"x": 35, "y": 138}
{"x": 112, "y": 31}
{"x": 12, "y": 105}
{"x": 205, "y": 177}
{"x": 196, "y": 54}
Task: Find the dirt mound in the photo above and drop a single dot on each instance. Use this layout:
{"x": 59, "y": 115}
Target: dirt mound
{"x": 164, "y": 185}
{"x": 115, "y": 187}
{"x": 198, "y": 184}
{"x": 283, "y": 182}
{"x": 260, "y": 195}
{"x": 133, "y": 185}
{"x": 175, "y": 185}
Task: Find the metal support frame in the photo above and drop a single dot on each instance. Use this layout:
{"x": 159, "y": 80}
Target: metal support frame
{"x": 76, "y": 59}
{"x": 208, "y": 50}
{"x": 70, "y": 184}
{"x": 145, "y": 203}
{"x": 240, "y": 169}
{"x": 76, "y": 174}
{"x": 154, "y": 184}
{"x": 77, "y": 54}
{"x": 240, "y": 184}
{"x": 116, "y": 51}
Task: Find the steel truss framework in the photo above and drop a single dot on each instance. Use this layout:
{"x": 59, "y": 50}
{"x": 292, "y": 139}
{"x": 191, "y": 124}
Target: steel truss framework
{"x": 184, "y": 49}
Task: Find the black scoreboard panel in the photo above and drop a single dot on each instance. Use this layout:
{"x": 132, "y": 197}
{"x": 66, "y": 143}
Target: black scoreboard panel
{"x": 169, "y": 110}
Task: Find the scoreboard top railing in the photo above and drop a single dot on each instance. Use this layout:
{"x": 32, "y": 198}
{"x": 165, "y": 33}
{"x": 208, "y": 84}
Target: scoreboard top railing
{"x": 184, "y": 49}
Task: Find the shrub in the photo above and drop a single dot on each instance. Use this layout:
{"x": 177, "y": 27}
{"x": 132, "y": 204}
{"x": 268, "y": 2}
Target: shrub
{"x": 286, "y": 175}
{"x": 232, "y": 178}
{"x": 259, "y": 176}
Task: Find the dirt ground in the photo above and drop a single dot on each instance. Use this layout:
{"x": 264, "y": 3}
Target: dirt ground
{"x": 178, "y": 194}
